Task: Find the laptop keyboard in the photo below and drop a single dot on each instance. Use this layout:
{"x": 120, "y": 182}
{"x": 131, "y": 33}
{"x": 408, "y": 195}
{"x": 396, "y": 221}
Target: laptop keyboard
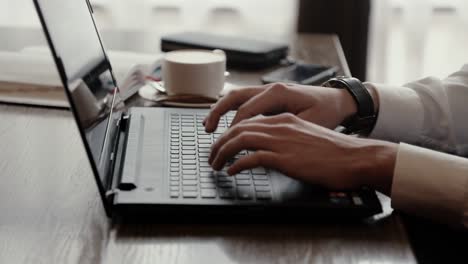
{"x": 192, "y": 177}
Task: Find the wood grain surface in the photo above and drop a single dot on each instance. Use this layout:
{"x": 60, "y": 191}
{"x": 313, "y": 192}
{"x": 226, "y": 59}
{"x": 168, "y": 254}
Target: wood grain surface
{"x": 50, "y": 210}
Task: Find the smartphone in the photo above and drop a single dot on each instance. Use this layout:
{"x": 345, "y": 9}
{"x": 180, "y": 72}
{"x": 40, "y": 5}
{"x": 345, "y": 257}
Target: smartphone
{"x": 301, "y": 73}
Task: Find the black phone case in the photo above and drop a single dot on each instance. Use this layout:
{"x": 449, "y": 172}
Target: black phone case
{"x": 310, "y": 74}
{"x": 240, "y": 52}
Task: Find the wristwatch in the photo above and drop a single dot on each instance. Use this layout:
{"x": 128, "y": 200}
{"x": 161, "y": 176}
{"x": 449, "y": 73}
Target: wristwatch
{"x": 364, "y": 120}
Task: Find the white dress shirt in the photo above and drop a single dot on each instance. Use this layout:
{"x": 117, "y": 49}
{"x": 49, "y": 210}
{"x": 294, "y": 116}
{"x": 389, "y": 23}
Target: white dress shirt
{"x": 433, "y": 114}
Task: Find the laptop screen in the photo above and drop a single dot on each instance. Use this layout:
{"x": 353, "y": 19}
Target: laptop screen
{"x": 86, "y": 74}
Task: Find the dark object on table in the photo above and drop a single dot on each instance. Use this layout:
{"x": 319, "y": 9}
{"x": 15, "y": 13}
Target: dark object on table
{"x": 241, "y": 52}
{"x": 301, "y": 73}
{"x": 349, "y": 19}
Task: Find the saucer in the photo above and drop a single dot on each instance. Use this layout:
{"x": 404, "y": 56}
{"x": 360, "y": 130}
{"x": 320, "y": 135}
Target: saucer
{"x": 149, "y": 93}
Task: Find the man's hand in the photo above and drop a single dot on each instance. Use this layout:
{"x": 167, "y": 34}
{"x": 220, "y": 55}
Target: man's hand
{"x": 308, "y": 152}
{"x": 327, "y": 107}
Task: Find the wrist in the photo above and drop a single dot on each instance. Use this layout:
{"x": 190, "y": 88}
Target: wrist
{"x": 347, "y": 104}
{"x": 377, "y": 164}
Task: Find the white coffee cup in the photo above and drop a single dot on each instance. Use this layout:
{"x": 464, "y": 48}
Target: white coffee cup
{"x": 194, "y": 72}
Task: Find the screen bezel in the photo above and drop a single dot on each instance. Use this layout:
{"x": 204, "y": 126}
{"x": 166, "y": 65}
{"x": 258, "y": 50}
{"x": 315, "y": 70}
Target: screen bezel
{"x": 103, "y": 190}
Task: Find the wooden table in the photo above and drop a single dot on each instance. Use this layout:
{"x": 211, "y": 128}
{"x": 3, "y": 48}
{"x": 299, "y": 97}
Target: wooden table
{"x": 51, "y": 211}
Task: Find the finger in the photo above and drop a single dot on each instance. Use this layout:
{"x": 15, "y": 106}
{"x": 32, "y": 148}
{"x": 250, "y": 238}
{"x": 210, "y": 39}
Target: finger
{"x": 229, "y": 102}
{"x": 271, "y": 100}
{"x": 259, "y": 158}
{"x": 235, "y": 131}
{"x": 244, "y": 141}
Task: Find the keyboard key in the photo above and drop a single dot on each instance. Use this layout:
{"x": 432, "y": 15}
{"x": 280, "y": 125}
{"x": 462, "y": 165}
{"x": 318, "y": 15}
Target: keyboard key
{"x": 225, "y": 179}
{"x": 204, "y": 141}
{"x": 259, "y": 171}
{"x": 190, "y": 188}
{"x": 208, "y": 136}
{"x": 259, "y": 188}
{"x": 175, "y": 178}
{"x": 189, "y": 182}
{"x": 220, "y": 130}
{"x": 175, "y": 165}
{"x": 189, "y": 157}
{"x": 188, "y": 139}
{"x": 189, "y": 152}
{"x": 190, "y": 194}
{"x": 242, "y": 177}
{"x": 188, "y": 162}
{"x": 204, "y": 155}
{"x": 189, "y": 177}
{"x": 225, "y": 184}
{"x": 204, "y": 164}
{"x": 263, "y": 195}
{"x": 207, "y": 146}
{"x": 203, "y": 159}
{"x": 175, "y": 151}
{"x": 204, "y": 169}
{"x": 188, "y": 134}
{"x": 174, "y": 160}
{"x": 188, "y": 147}
{"x": 261, "y": 183}
{"x": 175, "y": 183}
{"x": 204, "y": 150}
{"x": 174, "y": 194}
{"x": 208, "y": 193}
{"x": 260, "y": 177}
{"x": 189, "y": 172}
{"x": 207, "y": 174}
{"x": 174, "y": 147}
{"x": 174, "y": 156}
{"x": 207, "y": 180}
{"x": 189, "y": 167}
{"x": 174, "y": 174}
{"x": 226, "y": 193}
{"x": 188, "y": 129}
{"x": 244, "y": 182}
{"x": 174, "y": 188}
{"x": 207, "y": 185}
{"x": 176, "y": 169}
{"x": 244, "y": 193}
{"x": 188, "y": 143}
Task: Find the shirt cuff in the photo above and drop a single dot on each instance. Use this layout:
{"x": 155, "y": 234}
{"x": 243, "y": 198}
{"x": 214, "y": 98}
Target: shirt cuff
{"x": 401, "y": 114}
{"x": 431, "y": 184}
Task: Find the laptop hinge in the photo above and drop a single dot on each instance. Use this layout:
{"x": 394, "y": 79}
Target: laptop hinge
{"x": 116, "y": 157}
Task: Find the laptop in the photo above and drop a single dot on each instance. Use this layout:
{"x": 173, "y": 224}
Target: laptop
{"x": 151, "y": 163}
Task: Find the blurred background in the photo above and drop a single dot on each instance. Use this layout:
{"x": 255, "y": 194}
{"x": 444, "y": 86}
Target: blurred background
{"x": 392, "y": 41}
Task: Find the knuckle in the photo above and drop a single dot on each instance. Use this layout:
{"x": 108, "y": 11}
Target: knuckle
{"x": 233, "y": 93}
{"x": 245, "y": 137}
{"x": 236, "y": 130}
{"x": 288, "y": 117}
{"x": 241, "y": 110}
{"x": 278, "y": 88}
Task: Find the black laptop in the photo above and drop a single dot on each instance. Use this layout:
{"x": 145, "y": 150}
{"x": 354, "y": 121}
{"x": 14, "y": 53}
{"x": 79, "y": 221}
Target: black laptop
{"x": 152, "y": 162}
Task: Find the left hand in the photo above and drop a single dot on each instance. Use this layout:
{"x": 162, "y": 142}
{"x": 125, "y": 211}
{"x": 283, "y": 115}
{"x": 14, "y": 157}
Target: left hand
{"x": 307, "y": 152}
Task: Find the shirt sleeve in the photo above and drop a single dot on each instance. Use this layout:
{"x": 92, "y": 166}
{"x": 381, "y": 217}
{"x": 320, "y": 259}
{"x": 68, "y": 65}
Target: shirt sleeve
{"x": 431, "y": 184}
{"x": 429, "y": 113}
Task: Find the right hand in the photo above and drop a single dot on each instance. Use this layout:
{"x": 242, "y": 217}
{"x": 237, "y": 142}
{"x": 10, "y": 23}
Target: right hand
{"x": 327, "y": 107}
